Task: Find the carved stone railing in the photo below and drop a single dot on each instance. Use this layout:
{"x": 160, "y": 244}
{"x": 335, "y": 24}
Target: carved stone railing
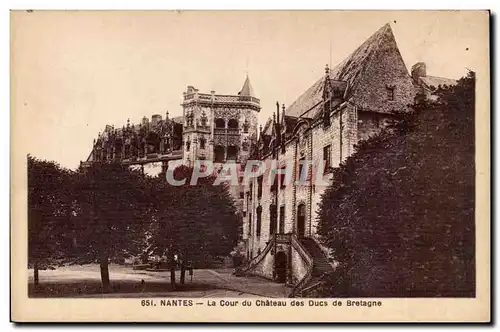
{"x": 219, "y": 131}
{"x": 233, "y": 131}
{"x": 282, "y": 238}
{"x": 227, "y": 131}
{"x": 221, "y": 98}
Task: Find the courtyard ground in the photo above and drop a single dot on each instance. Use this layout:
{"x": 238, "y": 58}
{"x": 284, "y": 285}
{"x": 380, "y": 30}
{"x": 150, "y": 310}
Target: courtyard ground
{"x": 85, "y": 281}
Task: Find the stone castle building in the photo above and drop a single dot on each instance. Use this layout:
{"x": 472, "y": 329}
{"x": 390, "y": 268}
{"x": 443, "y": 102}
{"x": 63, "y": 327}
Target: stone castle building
{"x": 350, "y": 102}
{"x": 216, "y": 127}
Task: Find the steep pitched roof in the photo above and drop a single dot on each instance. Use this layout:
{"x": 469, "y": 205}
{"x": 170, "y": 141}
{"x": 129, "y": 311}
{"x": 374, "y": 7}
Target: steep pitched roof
{"x": 178, "y": 119}
{"x": 247, "y": 89}
{"x": 268, "y": 128}
{"x": 350, "y": 70}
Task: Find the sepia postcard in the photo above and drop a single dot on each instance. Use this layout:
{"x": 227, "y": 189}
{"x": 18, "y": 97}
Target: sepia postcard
{"x": 250, "y": 166}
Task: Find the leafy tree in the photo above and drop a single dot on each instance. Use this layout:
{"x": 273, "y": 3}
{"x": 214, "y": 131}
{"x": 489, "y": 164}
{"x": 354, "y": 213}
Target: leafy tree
{"x": 198, "y": 222}
{"x": 49, "y": 210}
{"x": 112, "y": 214}
{"x": 399, "y": 214}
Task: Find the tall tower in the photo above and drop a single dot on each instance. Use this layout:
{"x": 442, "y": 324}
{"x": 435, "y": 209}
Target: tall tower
{"x": 219, "y": 128}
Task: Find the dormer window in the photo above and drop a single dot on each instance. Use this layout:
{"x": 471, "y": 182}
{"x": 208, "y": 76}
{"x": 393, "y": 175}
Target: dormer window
{"x": 326, "y": 114}
{"x": 390, "y": 93}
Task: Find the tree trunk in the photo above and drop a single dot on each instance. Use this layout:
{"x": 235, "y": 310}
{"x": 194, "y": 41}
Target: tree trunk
{"x": 35, "y": 276}
{"x": 172, "y": 277}
{"x": 183, "y": 273}
{"x": 104, "y": 272}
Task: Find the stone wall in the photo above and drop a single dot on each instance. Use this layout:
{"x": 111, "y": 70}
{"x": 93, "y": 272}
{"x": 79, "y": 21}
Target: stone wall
{"x": 265, "y": 267}
{"x": 299, "y": 266}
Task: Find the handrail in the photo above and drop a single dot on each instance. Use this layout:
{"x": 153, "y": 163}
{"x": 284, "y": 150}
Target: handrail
{"x": 257, "y": 259}
{"x": 303, "y": 252}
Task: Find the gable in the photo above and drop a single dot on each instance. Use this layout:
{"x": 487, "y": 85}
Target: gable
{"x": 385, "y": 70}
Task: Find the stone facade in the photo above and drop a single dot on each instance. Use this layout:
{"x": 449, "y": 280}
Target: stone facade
{"x": 210, "y": 123}
{"x": 219, "y": 127}
{"x": 351, "y": 102}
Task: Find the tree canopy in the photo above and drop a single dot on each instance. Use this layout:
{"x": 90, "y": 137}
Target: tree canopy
{"x": 49, "y": 209}
{"x": 399, "y": 214}
{"x": 200, "y": 221}
{"x": 109, "y": 211}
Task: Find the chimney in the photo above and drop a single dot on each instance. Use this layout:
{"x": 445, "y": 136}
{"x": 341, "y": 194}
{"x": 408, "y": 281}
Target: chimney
{"x": 418, "y": 70}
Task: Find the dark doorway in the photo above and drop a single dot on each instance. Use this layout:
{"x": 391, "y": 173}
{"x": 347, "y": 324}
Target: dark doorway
{"x": 301, "y": 220}
{"x": 280, "y": 267}
{"x": 232, "y": 152}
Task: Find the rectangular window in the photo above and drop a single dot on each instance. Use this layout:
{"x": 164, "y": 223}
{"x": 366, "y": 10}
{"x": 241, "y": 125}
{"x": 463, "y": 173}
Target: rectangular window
{"x": 273, "y": 219}
{"x": 282, "y": 178}
{"x": 282, "y": 219}
{"x": 249, "y": 223}
{"x": 259, "y": 221}
{"x": 390, "y": 93}
{"x": 301, "y": 177}
{"x": 274, "y": 186}
{"x": 327, "y": 157}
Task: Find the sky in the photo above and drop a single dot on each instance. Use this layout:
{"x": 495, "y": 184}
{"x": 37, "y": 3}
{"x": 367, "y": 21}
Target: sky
{"x": 74, "y": 72}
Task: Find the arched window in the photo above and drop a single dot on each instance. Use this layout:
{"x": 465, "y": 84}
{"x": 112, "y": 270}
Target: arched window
{"x": 219, "y": 154}
{"x": 232, "y": 152}
{"x": 219, "y": 123}
{"x": 259, "y": 220}
{"x": 232, "y": 124}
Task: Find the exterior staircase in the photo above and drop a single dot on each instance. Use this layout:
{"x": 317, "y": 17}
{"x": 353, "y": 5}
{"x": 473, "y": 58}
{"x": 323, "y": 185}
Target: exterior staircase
{"x": 318, "y": 266}
{"x": 320, "y": 261}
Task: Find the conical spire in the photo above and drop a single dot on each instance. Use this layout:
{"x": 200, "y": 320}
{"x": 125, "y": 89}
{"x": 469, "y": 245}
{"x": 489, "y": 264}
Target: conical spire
{"x": 247, "y": 89}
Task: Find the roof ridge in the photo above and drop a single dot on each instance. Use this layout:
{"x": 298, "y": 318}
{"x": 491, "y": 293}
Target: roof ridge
{"x": 377, "y": 46}
{"x": 351, "y": 70}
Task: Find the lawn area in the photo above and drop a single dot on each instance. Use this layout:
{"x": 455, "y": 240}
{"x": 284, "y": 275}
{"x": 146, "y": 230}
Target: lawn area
{"x": 81, "y": 280}
{"x": 85, "y": 281}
